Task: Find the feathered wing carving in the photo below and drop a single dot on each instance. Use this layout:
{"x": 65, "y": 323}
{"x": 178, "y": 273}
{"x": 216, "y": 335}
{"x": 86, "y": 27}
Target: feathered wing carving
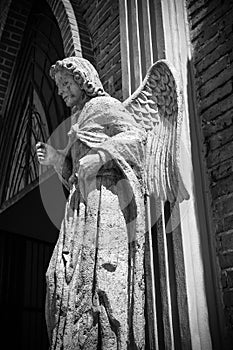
{"x": 157, "y": 105}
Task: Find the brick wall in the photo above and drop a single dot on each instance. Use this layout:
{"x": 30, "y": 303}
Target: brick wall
{"x": 102, "y": 20}
{"x": 64, "y": 14}
{"x": 84, "y": 35}
{"x": 99, "y": 30}
{"x": 211, "y": 33}
{"x": 10, "y": 42}
{"x": 4, "y": 8}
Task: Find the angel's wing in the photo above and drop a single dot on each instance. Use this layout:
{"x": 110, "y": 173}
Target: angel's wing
{"x": 157, "y": 106}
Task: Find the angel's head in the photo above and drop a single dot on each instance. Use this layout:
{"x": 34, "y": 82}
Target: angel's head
{"x": 77, "y": 80}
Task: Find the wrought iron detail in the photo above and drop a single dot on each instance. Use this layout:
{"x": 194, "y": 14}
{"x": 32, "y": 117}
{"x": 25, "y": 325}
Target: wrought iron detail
{"x": 33, "y": 109}
{"x": 32, "y": 127}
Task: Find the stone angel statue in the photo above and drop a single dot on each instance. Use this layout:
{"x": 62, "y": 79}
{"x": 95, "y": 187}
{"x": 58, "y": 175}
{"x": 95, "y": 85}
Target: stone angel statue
{"x": 117, "y": 154}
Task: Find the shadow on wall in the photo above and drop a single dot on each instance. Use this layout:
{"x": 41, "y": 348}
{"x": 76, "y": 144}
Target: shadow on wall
{"x": 211, "y": 110}
{"x": 220, "y": 328}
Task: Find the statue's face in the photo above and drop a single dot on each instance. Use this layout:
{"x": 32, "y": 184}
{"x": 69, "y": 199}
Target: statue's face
{"x": 68, "y": 88}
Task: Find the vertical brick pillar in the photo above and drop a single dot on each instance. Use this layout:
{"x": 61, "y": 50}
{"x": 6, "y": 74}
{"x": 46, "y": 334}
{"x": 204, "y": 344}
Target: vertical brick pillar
{"x": 102, "y": 20}
{"x": 212, "y": 42}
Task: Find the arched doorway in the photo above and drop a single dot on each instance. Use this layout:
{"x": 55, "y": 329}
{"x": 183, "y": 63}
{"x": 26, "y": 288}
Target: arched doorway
{"x": 33, "y": 110}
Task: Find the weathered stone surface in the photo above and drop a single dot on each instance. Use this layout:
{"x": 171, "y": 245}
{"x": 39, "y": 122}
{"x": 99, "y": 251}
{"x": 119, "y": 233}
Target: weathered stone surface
{"x": 97, "y": 274}
{"x": 95, "y": 294}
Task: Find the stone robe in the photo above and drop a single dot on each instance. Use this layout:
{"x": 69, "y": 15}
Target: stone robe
{"x": 95, "y": 279}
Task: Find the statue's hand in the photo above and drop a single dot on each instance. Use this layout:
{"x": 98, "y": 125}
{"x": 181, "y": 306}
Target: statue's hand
{"x": 46, "y": 154}
{"x": 89, "y": 165}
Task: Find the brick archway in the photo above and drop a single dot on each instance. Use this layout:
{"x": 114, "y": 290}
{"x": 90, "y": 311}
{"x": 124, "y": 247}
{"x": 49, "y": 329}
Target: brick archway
{"x": 66, "y": 19}
{"x": 75, "y": 36}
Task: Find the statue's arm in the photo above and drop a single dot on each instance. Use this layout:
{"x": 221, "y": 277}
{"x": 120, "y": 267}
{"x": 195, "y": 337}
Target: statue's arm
{"x": 59, "y": 159}
{"x": 126, "y": 142}
{"x": 63, "y": 167}
{"x": 111, "y": 133}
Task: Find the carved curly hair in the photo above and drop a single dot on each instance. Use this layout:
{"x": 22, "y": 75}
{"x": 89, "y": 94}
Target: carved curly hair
{"x": 85, "y": 75}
